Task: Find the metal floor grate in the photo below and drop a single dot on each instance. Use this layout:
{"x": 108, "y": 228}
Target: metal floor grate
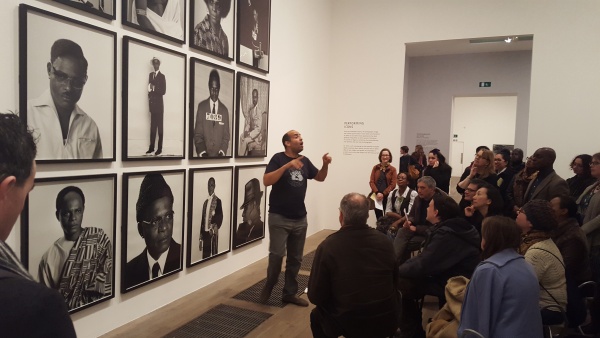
{"x": 307, "y": 261}
{"x": 221, "y": 321}
{"x": 252, "y": 293}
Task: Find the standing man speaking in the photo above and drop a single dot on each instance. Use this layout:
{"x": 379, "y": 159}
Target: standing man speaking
{"x": 288, "y": 172}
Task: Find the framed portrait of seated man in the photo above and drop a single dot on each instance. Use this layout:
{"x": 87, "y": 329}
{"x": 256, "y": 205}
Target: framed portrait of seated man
{"x": 67, "y": 72}
{"x": 68, "y": 237}
{"x": 152, "y": 227}
{"x": 252, "y": 116}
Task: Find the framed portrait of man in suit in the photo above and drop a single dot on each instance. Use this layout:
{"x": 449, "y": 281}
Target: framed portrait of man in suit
{"x": 152, "y": 227}
{"x": 252, "y": 126}
{"x": 68, "y": 237}
{"x": 210, "y": 111}
{"x": 250, "y": 205}
{"x": 68, "y": 87}
{"x": 209, "y": 215}
{"x": 254, "y": 34}
{"x": 153, "y": 102}
{"x": 165, "y": 19}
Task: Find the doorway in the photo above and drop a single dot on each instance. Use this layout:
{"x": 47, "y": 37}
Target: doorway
{"x": 480, "y": 120}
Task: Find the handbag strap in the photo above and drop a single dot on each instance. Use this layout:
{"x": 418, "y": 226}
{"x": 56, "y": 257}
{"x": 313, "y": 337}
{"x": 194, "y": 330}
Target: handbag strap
{"x": 542, "y": 285}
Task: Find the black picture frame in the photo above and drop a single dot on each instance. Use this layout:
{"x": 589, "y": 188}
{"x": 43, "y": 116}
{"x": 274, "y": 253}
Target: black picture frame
{"x": 137, "y": 102}
{"x": 172, "y": 29}
{"x": 252, "y": 124}
{"x": 198, "y": 15}
{"x": 42, "y": 234}
{"x": 101, "y": 8}
{"x": 134, "y": 261}
{"x": 200, "y": 247}
{"x": 201, "y": 131}
{"x": 92, "y": 131}
{"x": 254, "y": 34}
{"x": 247, "y": 180}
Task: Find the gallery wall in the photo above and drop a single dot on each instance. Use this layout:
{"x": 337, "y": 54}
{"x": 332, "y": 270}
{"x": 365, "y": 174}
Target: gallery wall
{"x": 299, "y": 99}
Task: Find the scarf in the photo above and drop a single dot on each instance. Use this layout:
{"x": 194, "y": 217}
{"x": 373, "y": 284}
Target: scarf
{"x": 530, "y": 238}
{"x": 520, "y": 186}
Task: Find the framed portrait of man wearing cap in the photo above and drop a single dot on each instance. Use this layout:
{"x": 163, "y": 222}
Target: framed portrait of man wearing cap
{"x": 152, "y": 227}
{"x": 209, "y": 213}
{"x": 250, "y": 205}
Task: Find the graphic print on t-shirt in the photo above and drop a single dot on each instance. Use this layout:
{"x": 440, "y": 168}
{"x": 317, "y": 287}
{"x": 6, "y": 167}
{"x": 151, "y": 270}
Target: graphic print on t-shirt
{"x": 296, "y": 177}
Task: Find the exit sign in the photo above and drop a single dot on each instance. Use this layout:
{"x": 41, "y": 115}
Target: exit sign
{"x": 485, "y": 84}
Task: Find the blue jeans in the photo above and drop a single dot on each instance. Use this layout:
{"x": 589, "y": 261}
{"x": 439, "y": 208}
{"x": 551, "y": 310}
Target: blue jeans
{"x": 287, "y": 234}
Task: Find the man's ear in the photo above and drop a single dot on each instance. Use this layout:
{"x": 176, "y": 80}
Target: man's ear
{"x": 6, "y": 187}
{"x": 140, "y": 230}
{"x": 57, "y": 213}
{"x": 48, "y": 68}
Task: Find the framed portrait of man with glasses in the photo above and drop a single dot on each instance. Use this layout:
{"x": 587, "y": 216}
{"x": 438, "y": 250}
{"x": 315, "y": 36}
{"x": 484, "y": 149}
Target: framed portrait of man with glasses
{"x": 152, "y": 230}
{"x": 67, "y": 89}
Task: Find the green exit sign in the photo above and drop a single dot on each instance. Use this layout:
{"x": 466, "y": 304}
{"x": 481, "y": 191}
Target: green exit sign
{"x": 485, "y": 84}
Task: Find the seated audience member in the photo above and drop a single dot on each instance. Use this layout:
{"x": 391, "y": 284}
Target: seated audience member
{"x": 537, "y": 222}
{"x": 504, "y": 174}
{"x": 439, "y": 170}
{"x": 400, "y": 200}
{"x": 451, "y": 249}
{"x": 467, "y": 198}
{"x": 467, "y": 170}
{"x": 570, "y": 239}
{"x": 516, "y": 160}
{"x": 502, "y": 296}
{"x": 27, "y": 308}
{"x": 583, "y": 176}
{"x": 353, "y": 278}
{"x": 482, "y": 168}
{"x": 383, "y": 179}
{"x": 547, "y": 184}
{"x": 486, "y": 202}
{"x": 417, "y": 218}
{"x": 516, "y": 189}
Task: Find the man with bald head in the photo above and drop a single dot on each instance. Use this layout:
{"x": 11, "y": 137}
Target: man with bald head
{"x": 547, "y": 184}
{"x": 288, "y": 172}
{"x": 79, "y": 264}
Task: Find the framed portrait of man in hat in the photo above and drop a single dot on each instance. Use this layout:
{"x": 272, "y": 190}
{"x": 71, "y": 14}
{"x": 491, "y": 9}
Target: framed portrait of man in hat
{"x": 250, "y": 205}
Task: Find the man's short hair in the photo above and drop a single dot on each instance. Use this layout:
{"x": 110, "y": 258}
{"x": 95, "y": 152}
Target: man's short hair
{"x": 446, "y": 207}
{"x": 61, "y": 196}
{"x": 214, "y": 75}
{"x": 428, "y": 181}
{"x": 568, "y": 202}
{"x": 211, "y": 179}
{"x": 153, "y": 187}
{"x": 404, "y": 149}
{"x": 224, "y": 6}
{"x": 17, "y": 148}
{"x": 67, "y": 48}
{"x": 255, "y": 91}
{"x": 355, "y": 209}
{"x": 155, "y": 59}
{"x": 286, "y": 137}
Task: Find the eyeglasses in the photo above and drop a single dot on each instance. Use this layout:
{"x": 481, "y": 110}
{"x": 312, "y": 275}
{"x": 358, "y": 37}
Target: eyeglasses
{"x": 165, "y": 220}
{"x": 594, "y": 163}
{"x": 63, "y": 79}
{"x": 520, "y": 210}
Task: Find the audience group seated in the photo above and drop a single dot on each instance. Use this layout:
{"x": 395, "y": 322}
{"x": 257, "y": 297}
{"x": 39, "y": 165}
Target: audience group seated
{"x": 524, "y": 236}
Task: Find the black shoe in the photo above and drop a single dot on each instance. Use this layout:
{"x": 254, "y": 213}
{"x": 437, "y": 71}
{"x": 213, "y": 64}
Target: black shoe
{"x": 158, "y": 152}
{"x": 150, "y": 151}
{"x": 265, "y": 294}
{"x": 294, "y": 300}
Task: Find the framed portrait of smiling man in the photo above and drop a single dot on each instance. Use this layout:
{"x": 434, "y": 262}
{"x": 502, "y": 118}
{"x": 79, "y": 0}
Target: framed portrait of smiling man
{"x": 67, "y": 72}
{"x": 152, "y": 227}
{"x": 68, "y": 237}
{"x": 211, "y": 27}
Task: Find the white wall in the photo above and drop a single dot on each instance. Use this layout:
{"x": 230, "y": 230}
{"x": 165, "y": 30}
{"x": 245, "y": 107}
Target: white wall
{"x": 299, "y": 99}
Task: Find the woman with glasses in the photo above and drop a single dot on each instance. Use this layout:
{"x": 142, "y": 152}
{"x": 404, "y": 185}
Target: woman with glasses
{"x": 439, "y": 170}
{"x": 583, "y": 175}
{"x": 486, "y": 202}
{"x": 383, "y": 180}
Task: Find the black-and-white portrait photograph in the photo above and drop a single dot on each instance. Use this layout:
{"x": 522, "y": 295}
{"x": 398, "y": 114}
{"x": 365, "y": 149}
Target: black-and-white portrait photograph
{"x": 68, "y": 236}
{"x": 164, "y": 18}
{"x": 103, "y": 8}
{"x": 211, "y": 27}
{"x": 252, "y": 126}
{"x": 209, "y": 215}
{"x": 211, "y": 110}
{"x": 254, "y": 30}
{"x": 153, "y": 101}
{"x": 152, "y": 229}
{"x": 68, "y": 96}
{"x": 250, "y": 205}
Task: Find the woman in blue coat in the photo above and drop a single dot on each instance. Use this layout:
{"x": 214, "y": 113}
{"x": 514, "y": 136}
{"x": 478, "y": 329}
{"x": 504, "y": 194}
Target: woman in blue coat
{"x": 502, "y": 296}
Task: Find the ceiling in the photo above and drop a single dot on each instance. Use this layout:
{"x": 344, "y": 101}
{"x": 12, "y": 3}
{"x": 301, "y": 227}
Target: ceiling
{"x": 465, "y": 46}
